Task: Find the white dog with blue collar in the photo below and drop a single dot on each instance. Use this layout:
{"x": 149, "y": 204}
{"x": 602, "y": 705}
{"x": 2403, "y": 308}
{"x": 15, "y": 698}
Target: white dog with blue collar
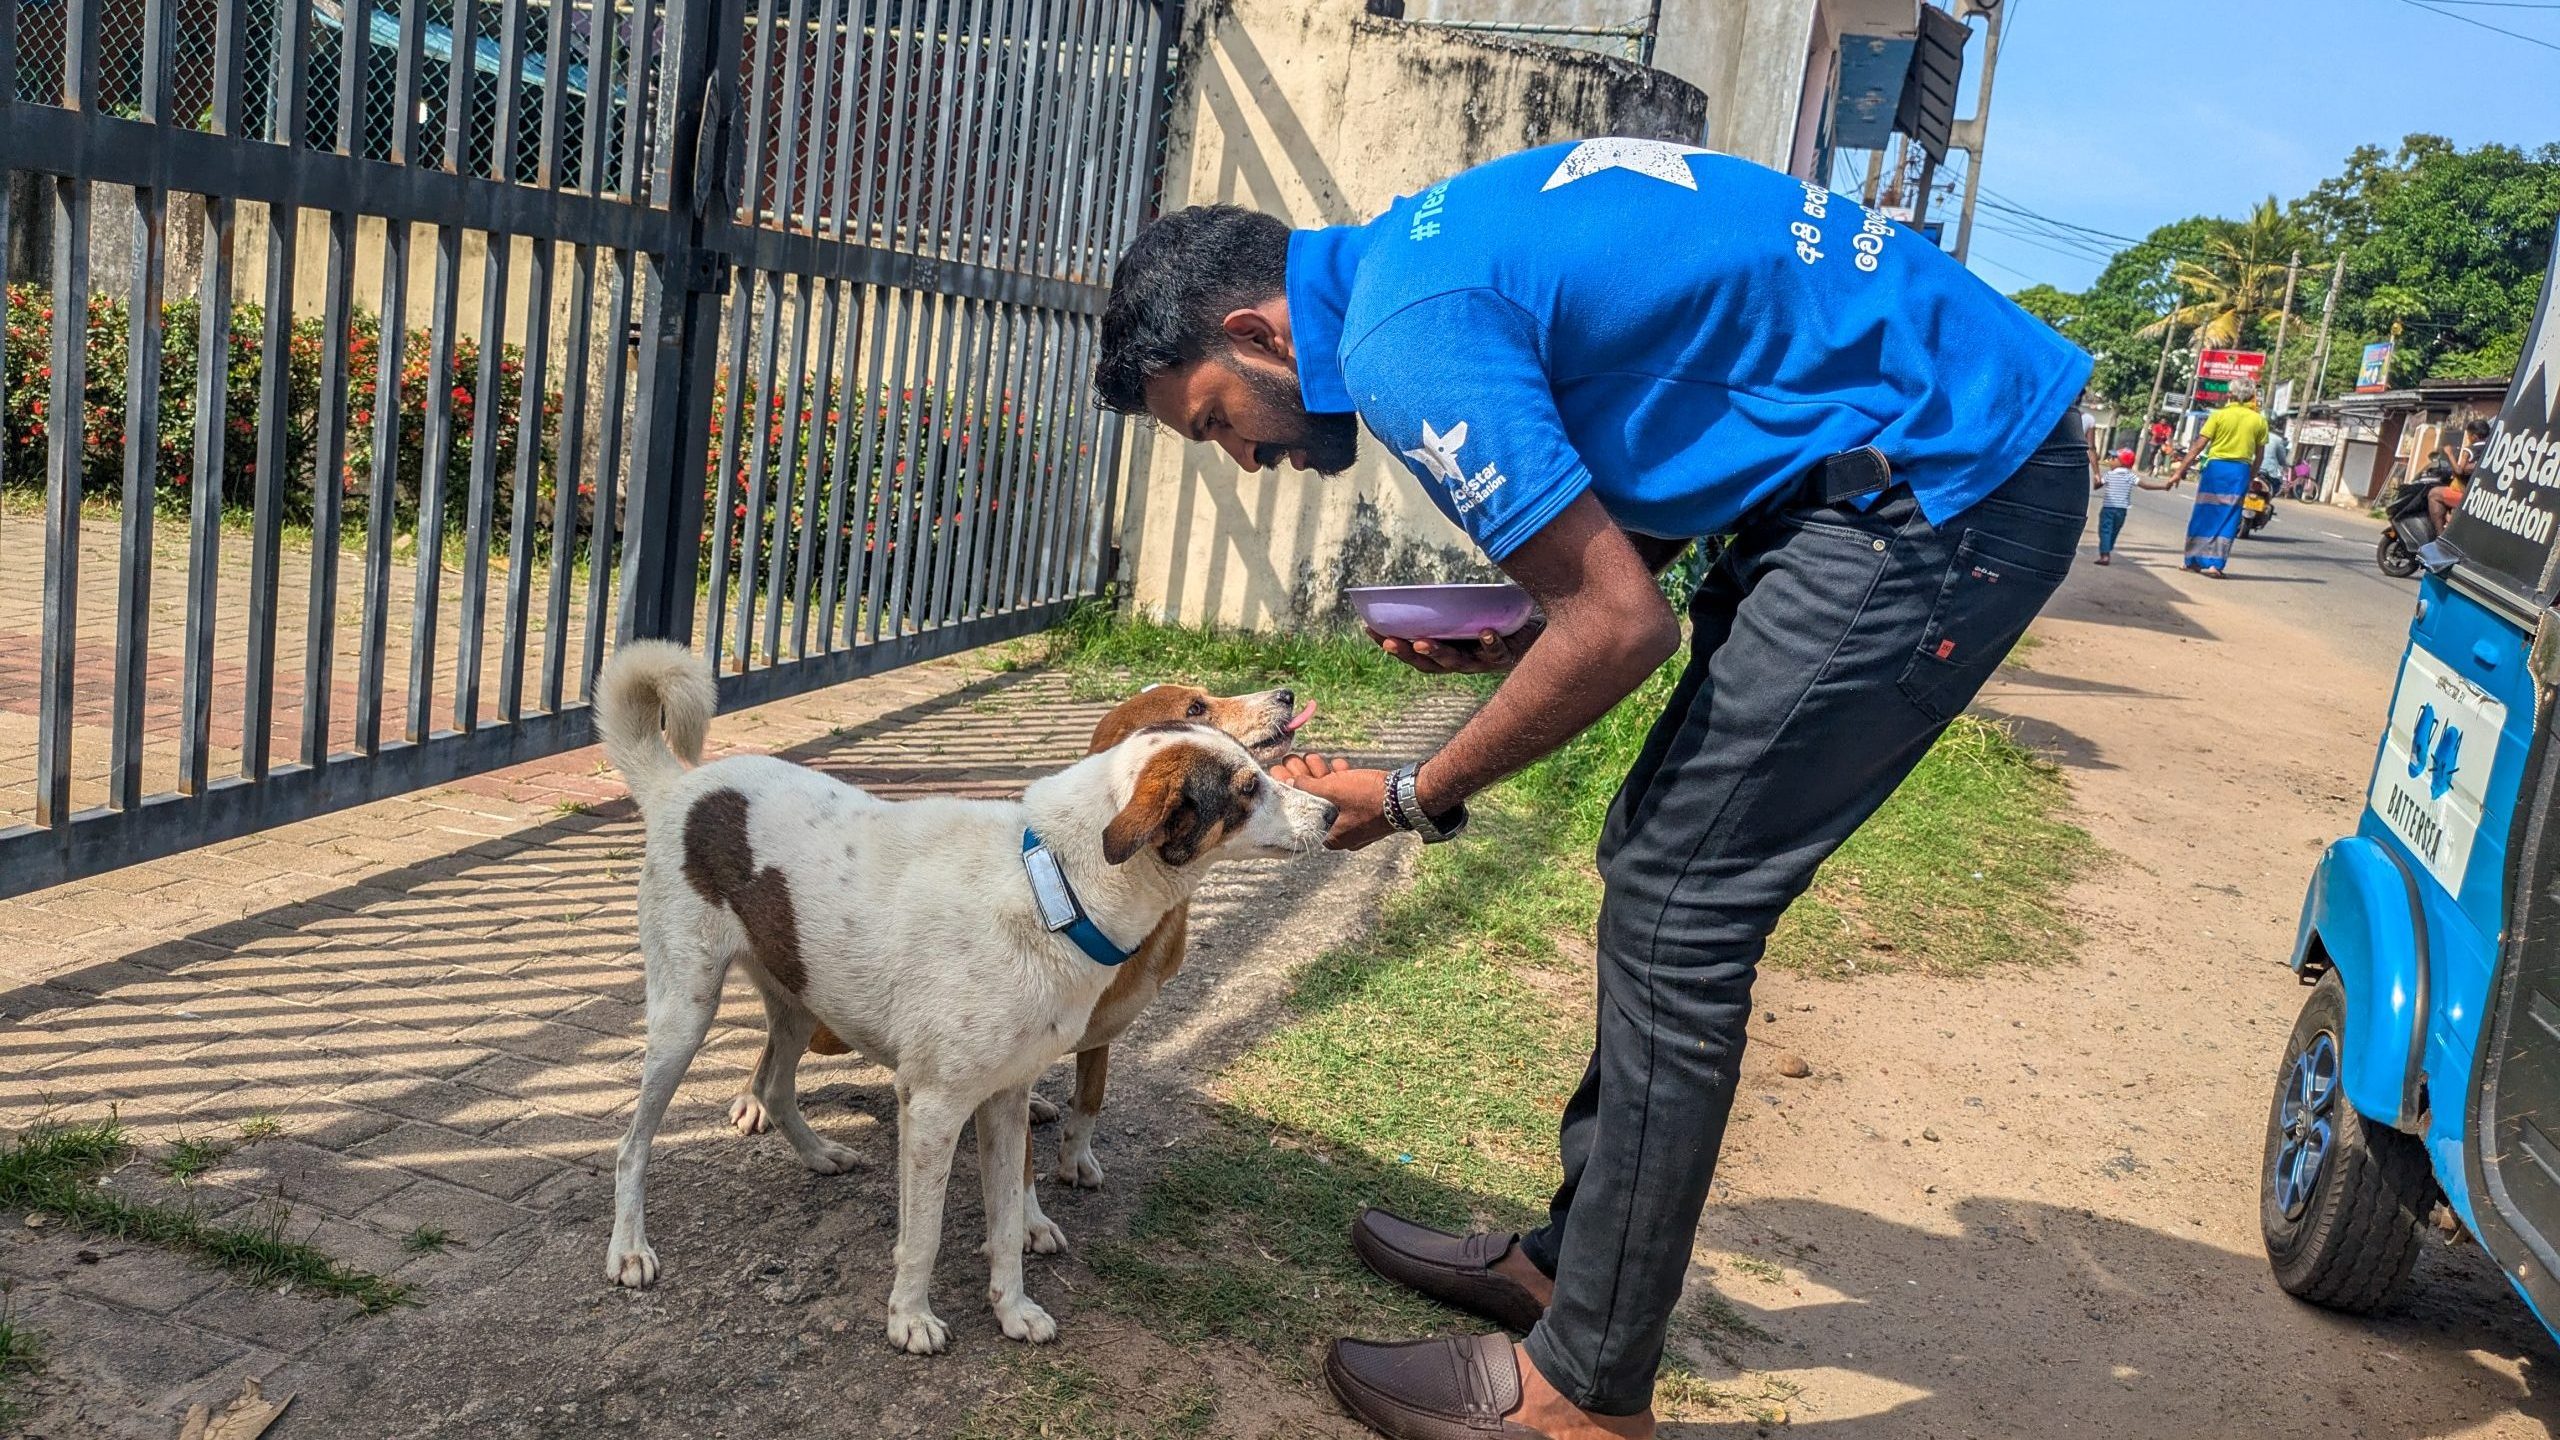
{"x": 961, "y": 943}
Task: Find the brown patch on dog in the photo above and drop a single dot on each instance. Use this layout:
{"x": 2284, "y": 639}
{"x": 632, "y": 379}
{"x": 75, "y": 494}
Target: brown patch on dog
{"x": 721, "y": 868}
{"x": 1185, "y": 797}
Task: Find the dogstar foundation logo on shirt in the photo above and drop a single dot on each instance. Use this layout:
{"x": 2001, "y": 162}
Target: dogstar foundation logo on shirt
{"x": 1438, "y": 455}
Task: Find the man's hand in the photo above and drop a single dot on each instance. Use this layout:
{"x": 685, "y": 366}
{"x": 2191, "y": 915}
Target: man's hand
{"x": 1488, "y": 654}
{"x": 1359, "y": 795}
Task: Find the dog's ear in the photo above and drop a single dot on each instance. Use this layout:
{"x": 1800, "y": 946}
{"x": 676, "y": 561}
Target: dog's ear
{"x": 1152, "y": 803}
{"x": 1173, "y": 805}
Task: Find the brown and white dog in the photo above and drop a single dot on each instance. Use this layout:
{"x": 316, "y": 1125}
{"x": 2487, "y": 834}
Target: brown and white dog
{"x": 1266, "y": 723}
{"x": 910, "y": 929}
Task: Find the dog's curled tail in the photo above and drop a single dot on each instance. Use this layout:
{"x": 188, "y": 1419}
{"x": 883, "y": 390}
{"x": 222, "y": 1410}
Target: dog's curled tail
{"x": 646, "y": 682}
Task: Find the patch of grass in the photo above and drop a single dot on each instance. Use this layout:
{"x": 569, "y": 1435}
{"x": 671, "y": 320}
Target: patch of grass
{"x": 1106, "y": 654}
{"x": 260, "y": 1126}
{"x": 54, "y": 1168}
{"x": 21, "y": 1356}
{"x": 2027, "y": 645}
{"x": 1961, "y": 871}
{"x": 426, "y": 1240}
{"x": 568, "y": 808}
{"x": 1758, "y": 1269}
{"x": 189, "y": 1158}
{"x": 1061, "y": 1399}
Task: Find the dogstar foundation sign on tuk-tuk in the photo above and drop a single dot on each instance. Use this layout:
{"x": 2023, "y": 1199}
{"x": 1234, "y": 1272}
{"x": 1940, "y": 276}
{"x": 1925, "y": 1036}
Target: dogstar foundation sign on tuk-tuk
{"x": 2426, "y": 1062}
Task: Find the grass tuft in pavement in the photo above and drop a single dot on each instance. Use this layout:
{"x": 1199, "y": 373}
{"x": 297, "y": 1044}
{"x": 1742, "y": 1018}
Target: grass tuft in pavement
{"x": 54, "y": 1168}
{"x": 190, "y": 1157}
{"x": 1063, "y": 1399}
{"x": 21, "y": 1355}
{"x": 426, "y": 1240}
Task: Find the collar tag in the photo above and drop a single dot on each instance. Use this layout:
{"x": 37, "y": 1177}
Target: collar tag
{"x": 1049, "y": 891}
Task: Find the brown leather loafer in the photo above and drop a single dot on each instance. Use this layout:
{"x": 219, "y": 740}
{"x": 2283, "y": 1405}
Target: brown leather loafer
{"x": 1456, "y": 1387}
{"x": 1456, "y": 1270}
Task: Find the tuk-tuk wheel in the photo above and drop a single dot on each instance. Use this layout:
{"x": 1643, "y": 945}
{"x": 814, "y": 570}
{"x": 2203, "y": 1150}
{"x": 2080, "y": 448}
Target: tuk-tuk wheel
{"x": 2341, "y": 1199}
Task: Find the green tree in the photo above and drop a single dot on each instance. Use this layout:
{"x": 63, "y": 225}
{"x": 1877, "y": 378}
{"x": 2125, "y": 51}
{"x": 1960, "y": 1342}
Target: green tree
{"x": 2236, "y": 281}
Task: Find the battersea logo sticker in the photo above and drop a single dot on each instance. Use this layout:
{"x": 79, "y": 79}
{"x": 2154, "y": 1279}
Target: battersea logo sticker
{"x": 2433, "y": 777}
{"x": 1438, "y": 457}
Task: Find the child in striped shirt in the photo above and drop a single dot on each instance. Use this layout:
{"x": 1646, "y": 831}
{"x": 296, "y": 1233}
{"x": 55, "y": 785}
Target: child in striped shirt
{"x": 2119, "y": 484}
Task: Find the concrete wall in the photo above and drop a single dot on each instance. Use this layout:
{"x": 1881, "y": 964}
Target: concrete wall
{"x": 1322, "y": 115}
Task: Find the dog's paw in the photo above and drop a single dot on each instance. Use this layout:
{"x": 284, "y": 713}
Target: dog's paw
{"x": 1080, "y": 1169}
{"x": 747, "y": 1117}
{"x": 919, "y": 1333}
{"x": 1041, "y": 1236}
{"x": 1043, "y": 1111}
{"x": 1023, "y": 1320}
{"x": 830, "y": 1158}
{"x": 636, "y": 1267}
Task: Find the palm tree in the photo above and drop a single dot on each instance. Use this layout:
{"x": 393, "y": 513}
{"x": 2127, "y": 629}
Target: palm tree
{"x": 2238, "y": 278}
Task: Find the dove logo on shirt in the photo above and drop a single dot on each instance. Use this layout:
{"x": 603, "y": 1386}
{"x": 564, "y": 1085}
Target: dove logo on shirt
{"x": 1438, "y": 457}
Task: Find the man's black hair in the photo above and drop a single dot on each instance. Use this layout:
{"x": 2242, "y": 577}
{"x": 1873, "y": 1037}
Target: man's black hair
{"x": 1178, "y": 281}
{"x": 2477, "y": 427}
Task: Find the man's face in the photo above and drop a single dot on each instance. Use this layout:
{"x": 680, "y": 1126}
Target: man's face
{"x": 1249, "y": 405}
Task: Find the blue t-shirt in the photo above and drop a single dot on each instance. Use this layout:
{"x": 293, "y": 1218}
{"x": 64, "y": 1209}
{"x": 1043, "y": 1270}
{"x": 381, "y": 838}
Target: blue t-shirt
{"x": 1679, "y": 332}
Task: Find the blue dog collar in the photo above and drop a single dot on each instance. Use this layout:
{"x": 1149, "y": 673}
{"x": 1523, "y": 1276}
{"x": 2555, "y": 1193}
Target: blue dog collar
{"x": 1060, "y": 911}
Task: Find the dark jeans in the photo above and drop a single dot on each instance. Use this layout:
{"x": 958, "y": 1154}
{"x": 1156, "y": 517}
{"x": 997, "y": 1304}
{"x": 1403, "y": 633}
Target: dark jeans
{"x": 1832, "y": 645}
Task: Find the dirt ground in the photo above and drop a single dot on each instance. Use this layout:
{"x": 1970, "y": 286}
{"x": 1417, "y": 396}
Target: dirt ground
{"x": 2015, "y": 1206}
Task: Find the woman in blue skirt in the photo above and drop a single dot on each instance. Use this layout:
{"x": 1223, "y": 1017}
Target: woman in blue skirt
{"x": 2234, "y": 437}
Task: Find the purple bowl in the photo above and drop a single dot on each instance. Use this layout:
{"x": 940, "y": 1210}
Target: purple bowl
{"x": 1440, "y": 612}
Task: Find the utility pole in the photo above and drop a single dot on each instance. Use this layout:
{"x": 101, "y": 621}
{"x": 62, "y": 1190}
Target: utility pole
{"x": 2159, "y": 376}
{"x": 2320, "y": 351}
{"x": 2284, "y": 322}
{"x": 1968, "y": 134}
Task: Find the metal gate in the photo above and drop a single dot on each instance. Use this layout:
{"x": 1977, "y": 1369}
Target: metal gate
{"x": 394, "y": 357}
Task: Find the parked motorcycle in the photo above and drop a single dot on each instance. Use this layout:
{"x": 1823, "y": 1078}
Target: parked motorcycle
{"x": 2406, "y": 526}
{"x": 2258, "y": 507}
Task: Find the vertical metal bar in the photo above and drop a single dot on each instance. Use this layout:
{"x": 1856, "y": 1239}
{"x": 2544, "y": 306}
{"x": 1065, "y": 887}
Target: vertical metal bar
{"x": 952, "y": 458}
{"x": 604, "y": 514}
{"x": 758, "y": 132}
{"x": 486, "y": 398}
{"x": 391, "y": 357}
{"x": 788, "y": 138}
{"x": 995, "y": 355}
{"x": 1099, "y": 225}
{"x": 532, "y": 380}
{"x": 1101, "y": 168}
{"x": 887, "y": 578}
{"x": 435, "y": 471}
{"x": 873, "y": 110}
{"x": 931, "y": 469}
{"x": 65, "y": 427}
{"x": 1050, "y": 160}
{"x": 213, "y": 376}
{"x": 569, "y": 467}
{"x": 680, "y": 317}
{"x": 1021, "y": 454}
{"x": 145, "y": 325}
{"x": 839, "y": 548}
{"x": 1045, "y": 259}
{"x": 329, "y": 441}
{"x": 555, "y": 93}
{"x": 787, "y": 466}
{"x": 759, "y": 449}
{"x": 291, "y": 121}
{"x": 732, "y": 431}
{"x": 1021, "y": 143}
{"x": 815, "y": 530}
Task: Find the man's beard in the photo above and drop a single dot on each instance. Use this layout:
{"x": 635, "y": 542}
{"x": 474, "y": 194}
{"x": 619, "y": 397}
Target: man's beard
{"x": 1331, "y": 442}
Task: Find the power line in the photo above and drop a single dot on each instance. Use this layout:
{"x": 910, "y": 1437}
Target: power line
{"x": 2483, "y": 24}
{"x": 2506, "y": 4}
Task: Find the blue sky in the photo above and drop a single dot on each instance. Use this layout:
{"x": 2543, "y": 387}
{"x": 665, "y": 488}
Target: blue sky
{"x": 2102, "y": 115}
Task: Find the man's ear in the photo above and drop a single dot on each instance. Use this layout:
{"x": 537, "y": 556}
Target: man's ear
{"x": 1151, "y": 805}
{"x": 1254, "y": 330}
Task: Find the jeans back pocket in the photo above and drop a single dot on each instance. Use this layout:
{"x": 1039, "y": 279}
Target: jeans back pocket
{"x": 1992, "y": 588}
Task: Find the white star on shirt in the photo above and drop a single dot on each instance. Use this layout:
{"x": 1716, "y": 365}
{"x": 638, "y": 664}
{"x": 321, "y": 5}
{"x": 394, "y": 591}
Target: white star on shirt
{"x": 1661, "y": 159}
{"x": 1439, "y": 453}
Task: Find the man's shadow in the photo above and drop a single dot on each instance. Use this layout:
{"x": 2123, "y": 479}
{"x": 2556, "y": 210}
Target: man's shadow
{"x": 2014, "y": 1317}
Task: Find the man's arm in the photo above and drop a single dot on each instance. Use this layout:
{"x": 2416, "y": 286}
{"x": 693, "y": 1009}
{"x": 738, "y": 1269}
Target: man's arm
{"x": 1608, "y": 628}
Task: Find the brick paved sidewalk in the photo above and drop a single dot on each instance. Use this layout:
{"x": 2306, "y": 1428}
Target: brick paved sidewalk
{"x": 437, "y": 997}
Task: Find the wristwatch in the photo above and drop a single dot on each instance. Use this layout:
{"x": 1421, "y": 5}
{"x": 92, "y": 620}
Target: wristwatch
{"x": 1405, "y": 812}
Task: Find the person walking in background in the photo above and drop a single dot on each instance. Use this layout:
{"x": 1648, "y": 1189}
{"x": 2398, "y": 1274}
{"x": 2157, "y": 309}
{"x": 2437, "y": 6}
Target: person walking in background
{"x": 2233, "y": 439}
{"x": 2118, "y": 486}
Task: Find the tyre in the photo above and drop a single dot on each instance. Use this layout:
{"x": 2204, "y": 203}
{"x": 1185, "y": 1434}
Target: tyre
{"x": 2394, "y": 557}
{"x": 2341, "y": 1199}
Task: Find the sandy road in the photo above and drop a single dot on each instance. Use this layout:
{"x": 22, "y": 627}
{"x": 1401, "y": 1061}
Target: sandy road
{"x": 2027, "y": 1205}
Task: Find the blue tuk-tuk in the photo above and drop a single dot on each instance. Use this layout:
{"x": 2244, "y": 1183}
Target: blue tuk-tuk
{"x": 2426, "y": 1062}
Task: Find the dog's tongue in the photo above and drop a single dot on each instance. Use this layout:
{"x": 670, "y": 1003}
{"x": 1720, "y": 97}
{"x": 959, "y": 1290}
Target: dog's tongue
{"x": 1298, "y": 722}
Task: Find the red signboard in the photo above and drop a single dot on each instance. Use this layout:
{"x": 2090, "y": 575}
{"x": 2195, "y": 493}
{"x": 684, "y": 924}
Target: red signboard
{"x": 2216, "y": 369}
